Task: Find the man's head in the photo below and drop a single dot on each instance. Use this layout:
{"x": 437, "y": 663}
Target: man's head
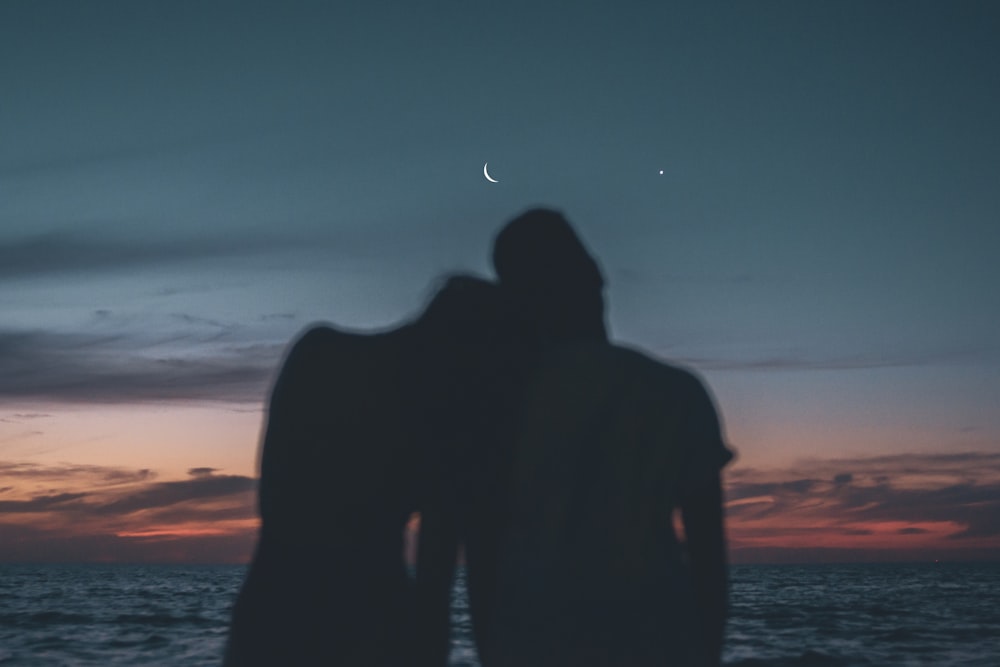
{"x": 542, "y": 263}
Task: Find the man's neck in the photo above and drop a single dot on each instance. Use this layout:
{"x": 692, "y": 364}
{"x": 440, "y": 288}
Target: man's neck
{"x": 589, "y": 331}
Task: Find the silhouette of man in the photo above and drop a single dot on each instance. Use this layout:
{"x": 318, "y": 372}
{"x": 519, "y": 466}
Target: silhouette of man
{"x": 608, "y": 444}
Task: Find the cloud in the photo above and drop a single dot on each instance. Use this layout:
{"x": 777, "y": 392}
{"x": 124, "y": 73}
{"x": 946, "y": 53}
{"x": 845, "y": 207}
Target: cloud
{"x": 646, "y": 277}
{"x": 91, "y": 475}
{"x": 964, "y": 465}
{"x": 40, "y": 503}
{"x": 58, "y": 253}
{"x": 944, "y": 501}
{"x": 209, "y": 516}
{"x": 116, "y": 491}
{"x": 121, "y": 368}
{"x": 800, "y": 362}
{"x": 19, "y": 417}
{"x": 165, "y": 494}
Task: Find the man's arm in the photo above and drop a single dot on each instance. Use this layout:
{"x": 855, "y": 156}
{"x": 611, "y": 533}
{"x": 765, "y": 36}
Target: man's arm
{"x": 704, "y": 530}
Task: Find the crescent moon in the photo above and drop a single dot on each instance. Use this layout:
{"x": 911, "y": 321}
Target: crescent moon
{"x": 487, "y": 174}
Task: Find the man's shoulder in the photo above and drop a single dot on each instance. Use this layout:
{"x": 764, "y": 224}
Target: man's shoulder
{"x": 625, "y": 370}
{"x": 644, "y": 365}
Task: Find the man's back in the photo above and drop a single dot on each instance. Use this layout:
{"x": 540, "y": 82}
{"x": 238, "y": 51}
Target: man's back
{"x": 608, "y": 445}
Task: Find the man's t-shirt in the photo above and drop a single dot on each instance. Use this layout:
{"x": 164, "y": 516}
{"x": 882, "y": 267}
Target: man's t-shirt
{"x": 609, "y": 443}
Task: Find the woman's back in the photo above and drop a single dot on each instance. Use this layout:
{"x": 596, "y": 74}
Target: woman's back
{"x": 328, "y": 584}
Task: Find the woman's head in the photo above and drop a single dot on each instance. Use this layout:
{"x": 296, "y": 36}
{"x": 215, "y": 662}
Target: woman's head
{"x": 458, "y": 344}
{"x": 464, "y": 307}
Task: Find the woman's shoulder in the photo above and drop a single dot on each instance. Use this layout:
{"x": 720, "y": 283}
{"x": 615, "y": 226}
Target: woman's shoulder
{"x": 322, "y": 339}
{"x": 322, "y": 333}
{"x": 325, "y": 350}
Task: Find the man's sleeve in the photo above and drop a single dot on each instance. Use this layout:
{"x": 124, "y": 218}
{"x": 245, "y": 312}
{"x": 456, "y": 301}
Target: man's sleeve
{"x": 705, "y": 451}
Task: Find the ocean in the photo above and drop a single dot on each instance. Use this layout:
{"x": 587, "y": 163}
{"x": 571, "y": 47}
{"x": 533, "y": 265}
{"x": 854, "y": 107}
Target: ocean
{"x": 946, "y": 615}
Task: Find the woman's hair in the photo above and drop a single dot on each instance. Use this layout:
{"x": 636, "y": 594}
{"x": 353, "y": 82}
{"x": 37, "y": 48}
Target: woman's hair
{"x": 459, "y": 349}
{"x": 464, "y": 306}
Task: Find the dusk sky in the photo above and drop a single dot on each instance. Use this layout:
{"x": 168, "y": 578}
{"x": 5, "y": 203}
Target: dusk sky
{"x": 799, "y": 200}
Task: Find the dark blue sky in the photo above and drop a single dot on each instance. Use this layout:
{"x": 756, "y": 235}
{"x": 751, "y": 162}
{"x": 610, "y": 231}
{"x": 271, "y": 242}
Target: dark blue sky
{"x": 185, "y": 185}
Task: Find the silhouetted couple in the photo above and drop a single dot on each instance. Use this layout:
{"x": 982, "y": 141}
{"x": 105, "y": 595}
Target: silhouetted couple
{"x": 505, "y": 417}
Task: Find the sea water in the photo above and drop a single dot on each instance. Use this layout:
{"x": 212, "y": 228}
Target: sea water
{"x": 946, "y": 615}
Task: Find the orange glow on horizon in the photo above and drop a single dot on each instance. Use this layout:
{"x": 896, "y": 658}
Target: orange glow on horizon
{"x": 215, "y": 530}
{"x": 92, "y": 510}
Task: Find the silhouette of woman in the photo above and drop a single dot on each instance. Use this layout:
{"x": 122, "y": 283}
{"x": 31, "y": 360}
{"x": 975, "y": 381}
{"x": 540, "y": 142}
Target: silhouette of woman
{"x": 464, "y": 504}
{"x": 349, "y": 452}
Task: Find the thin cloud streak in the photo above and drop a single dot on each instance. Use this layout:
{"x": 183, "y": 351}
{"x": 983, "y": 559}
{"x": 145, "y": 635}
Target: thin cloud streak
{"x": 20, "y": 417}
{"x": 858, "y": 362}
{"x": 93, "y": 475}
{"x": 60, "y": 253}
{"x": 120, "y": 368}
{"x": 47, "y": 503}
{"x": 167, "y": 494}
{"x": 116, "y": 152}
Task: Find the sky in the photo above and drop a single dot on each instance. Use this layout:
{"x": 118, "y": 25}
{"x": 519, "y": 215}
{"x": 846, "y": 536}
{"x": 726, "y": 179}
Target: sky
{"x": 800, "y": 201}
